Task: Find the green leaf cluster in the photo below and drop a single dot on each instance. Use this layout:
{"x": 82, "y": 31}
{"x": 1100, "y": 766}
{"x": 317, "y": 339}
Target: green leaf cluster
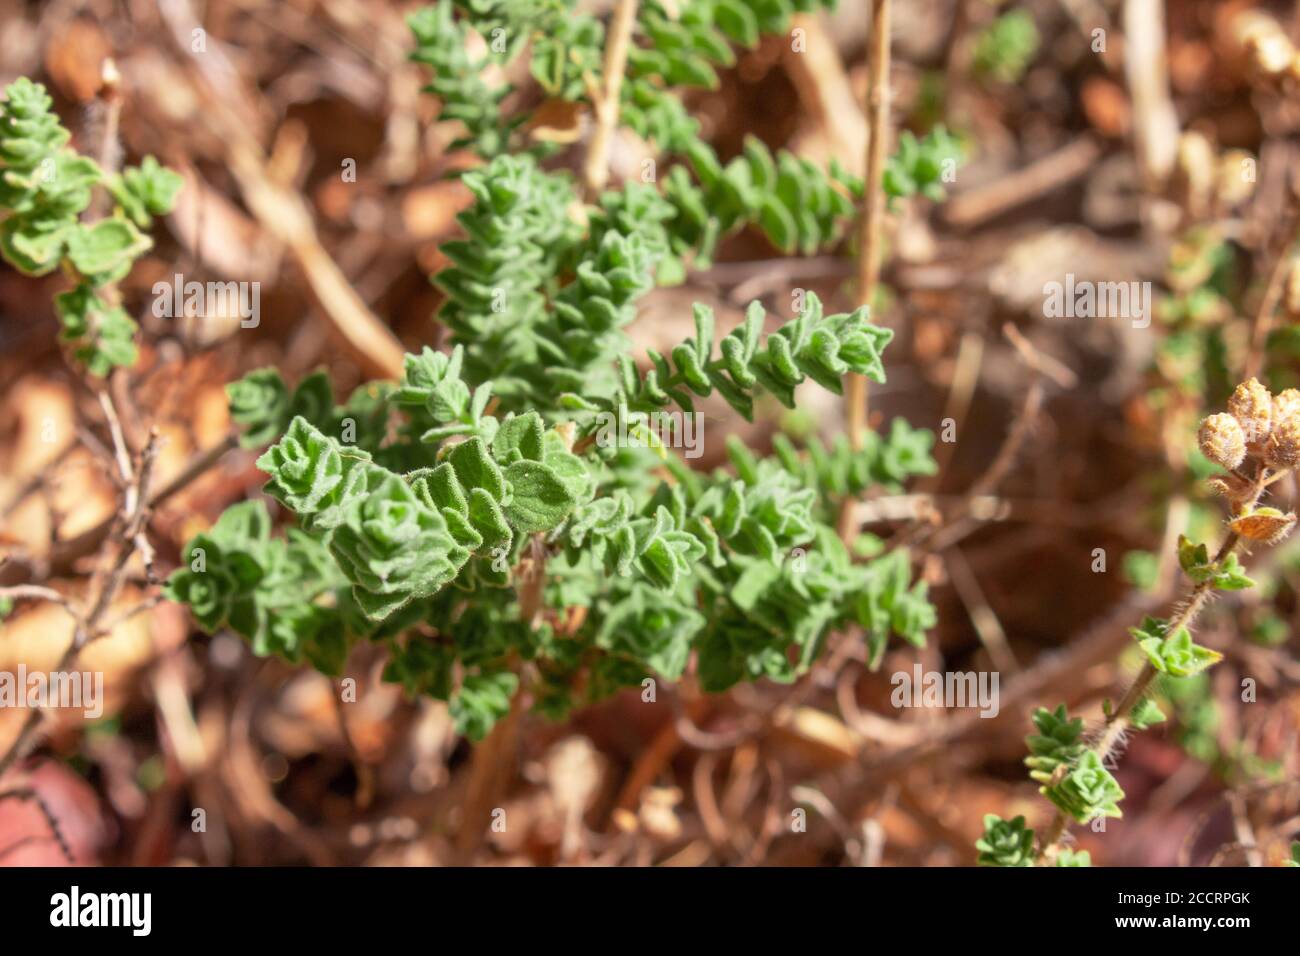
{"x": 739, "y": 566}
{"x": 683, "y": 46}
{"x": 1058, "y": 743}
{"x": 1005, "y": 842}
{"x": 1226, "y": 575}
{"x": 501, "y": 272}
{"x": 45, "y": 188}
{"x": 921, "y": 166}
{"x": 426, "y": 509}
{"x": 44, "y": 184}
{"x": 1088, "y": 791}
{"x": 1073, "y": 858}
{"x": 267, "y": 589}
{"x": 441, "y": 43}
{"x": 886, "y": 461}
{"x": 1176, "y": 655}
{"x": 797, "y": 205}
{"x": 812, "y": 345}
{"x": 1006, "y": 47}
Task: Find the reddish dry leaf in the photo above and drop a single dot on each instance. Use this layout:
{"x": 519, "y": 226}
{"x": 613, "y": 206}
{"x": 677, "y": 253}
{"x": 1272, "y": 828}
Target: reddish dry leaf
{"x": 74, "y": 59}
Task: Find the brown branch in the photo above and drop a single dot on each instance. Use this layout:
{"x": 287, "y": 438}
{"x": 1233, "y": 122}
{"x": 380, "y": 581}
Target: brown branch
{"x": 130, "y": 523}
{"x": 492, "y": 765}
{"x": 976, "y": 206}
{"x": 66, "y": 553}
{"x": 595, "y": 171}
{"x": 36, "y": 592}
{"x": 110, "y": 147}
{"x": 281, "y": 210}
{"x": 1146, "y": 68}
{"x": 873, "y": 214}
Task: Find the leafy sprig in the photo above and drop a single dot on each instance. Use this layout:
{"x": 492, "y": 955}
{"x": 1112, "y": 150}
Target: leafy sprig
{"x": 468, "y": 518}
{"x": 46, "y": 188}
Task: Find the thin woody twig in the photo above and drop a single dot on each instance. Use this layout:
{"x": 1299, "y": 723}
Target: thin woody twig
{"x": 985, "y": 621}
{"x": 131, "y": 520}
{"x": 873, "y": 214}
{"x": 595, "y": 171}
{"x": 976, "y": 206}
{"x": 36, "y": 592}
{"x": 110, "y": 147}
{"x": 66, "y": 553}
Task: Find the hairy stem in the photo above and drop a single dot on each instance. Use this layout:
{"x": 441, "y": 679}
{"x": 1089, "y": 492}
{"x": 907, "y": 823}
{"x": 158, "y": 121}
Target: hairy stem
{"x": 1118, "y": 720}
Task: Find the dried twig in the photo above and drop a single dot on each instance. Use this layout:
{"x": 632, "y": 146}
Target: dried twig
{"x": 1056, "y": 169}
{"x": 130, "y": 523}
{"x": 595, "y": 170}
{"x": 985, "y": 621}
{"x": 873, "y": 214}
{"x": 66, "y": 553}
{"x": 1155, "y": 121}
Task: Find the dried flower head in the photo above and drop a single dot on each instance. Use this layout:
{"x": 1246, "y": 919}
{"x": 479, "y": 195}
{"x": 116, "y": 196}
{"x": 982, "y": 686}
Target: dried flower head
{"x": 1283, "y": 449}
{"x": 1252, "y": 406}
{"x": 1266, "y": 525}
{"x": 1286, "y": 405}
{"x": 1231, "y": 487}
{"x": 1222, "y": 440}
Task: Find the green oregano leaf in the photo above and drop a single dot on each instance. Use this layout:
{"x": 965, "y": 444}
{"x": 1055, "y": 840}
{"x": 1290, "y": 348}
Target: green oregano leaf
{"x": 1005, "y": 842}
{"x": 539, "y": 500}
{"x": 1087, "y": 791}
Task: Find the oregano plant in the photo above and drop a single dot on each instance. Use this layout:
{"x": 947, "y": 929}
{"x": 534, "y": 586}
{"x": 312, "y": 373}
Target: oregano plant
{"x": 507, "y": 515}
{"x": 1256, "y": 443}
{"x": 46, "y": 192}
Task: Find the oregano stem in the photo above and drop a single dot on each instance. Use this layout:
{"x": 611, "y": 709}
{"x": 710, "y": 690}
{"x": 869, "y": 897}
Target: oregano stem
{"x": 877, "y": 152}
{"x": 596, "y": 168}
{"x": 873, "y": 213}
{"x": 1117, "y": 722}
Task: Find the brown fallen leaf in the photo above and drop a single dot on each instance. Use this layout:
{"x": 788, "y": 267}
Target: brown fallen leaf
{"x": 74, "y": 59}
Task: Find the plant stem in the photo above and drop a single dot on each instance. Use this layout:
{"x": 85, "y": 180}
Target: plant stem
{"x": 130, "y": 522}
{"x": 1117, "y": 722}
{"x": 596, "y": 169}
{"x": 110, "y": 147}
{"x": 873, "y": 213}
{"x": 877, "y": 151}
